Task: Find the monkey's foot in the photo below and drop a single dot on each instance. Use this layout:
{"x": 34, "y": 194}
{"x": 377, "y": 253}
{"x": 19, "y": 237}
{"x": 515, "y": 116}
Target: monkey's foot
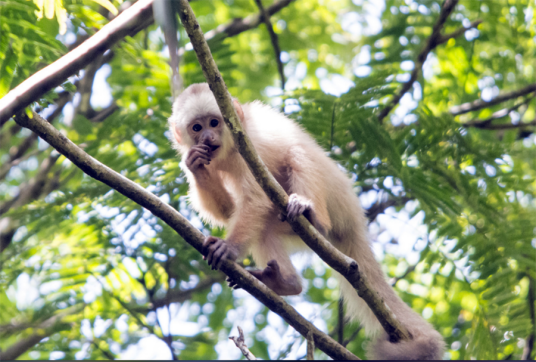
{"x": 298, "y": 205}
{"x": 216, "y": 250}
{"x": 272, "y": 277}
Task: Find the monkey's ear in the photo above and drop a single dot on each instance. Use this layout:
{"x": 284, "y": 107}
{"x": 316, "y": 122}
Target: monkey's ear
{"x": 176, "y": 133}
{"x": 239, "y": 110}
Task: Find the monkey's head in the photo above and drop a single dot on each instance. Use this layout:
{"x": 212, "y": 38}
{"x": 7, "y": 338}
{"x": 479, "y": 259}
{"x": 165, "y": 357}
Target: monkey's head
{"x": 196, "y": 119}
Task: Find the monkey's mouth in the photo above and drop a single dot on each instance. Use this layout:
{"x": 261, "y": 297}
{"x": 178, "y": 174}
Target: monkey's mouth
{"x": 214, "y": 148}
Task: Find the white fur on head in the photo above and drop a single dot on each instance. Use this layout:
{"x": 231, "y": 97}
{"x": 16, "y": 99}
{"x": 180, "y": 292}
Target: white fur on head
{"x": 196, "y": 101}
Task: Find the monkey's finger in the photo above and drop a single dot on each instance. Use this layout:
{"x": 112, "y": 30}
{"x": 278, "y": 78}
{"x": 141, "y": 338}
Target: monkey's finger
{"x": 273, "y": 264}
{"x": 199, "y": 162}
{"x": 201, "y": 148}
{"x": 292, "y": 211}
{"x": 221, "y": 256}
{"x": 211, "y": 260}
{"x": 197, "y": 155}
{"x": 232, "y": 283}
{"x": 208, "y": 242}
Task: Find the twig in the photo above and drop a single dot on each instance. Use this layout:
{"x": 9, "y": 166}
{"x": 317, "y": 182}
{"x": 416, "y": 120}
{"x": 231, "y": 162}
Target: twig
{"x": 179, "y": 296}
{"x": 310, "y": 347}
{"x": 529, "y": 342}
{"x": 372, "y": 212}
{"x": 301, "y": 226}
{"x": 106, "y": 353}
{"x": 240, "y": 342}
{"x": 17, "y": 153}
{"x": 239, "y": 25}
{"x": 395, "y": 280}
{"x": 483, "y": 123}
{"x": 42, "y": 330}
{"x": 143, "y": 18}
{"x": 275, "y": 42}
{"x": 33, "y": 188}
{"x": 433, "y": 41}
{"x": 445, "y": 38}
{"x": 340, "y": 322}
{"x": 495, "y": 127}
{"x": 352, "y": 336}
{"x": 54, "y": 74}
{"x": 181, "y": 225}
{"x": 480, "y": 104}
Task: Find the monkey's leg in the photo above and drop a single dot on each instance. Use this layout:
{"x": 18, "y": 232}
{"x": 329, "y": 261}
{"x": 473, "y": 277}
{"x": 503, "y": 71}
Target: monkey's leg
{"x": 307, "y": 190}
{"x": 279, "y": 274}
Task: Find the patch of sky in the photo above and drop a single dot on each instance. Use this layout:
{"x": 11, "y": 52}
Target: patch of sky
{"x": 101, "y": 93}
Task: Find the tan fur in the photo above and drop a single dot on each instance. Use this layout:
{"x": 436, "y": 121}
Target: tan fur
{"x": 234, "y": 199}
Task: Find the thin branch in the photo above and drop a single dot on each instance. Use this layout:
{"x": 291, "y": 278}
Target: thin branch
{"x": 41, "y": 331}
{"x": 239, "y": 25}
{"x": 181, "y": 225}
{"x": 55, "y": 74}
{"x": 275, "y": 42}
{"x": 480, "y": 104}
{"x": 31, "y": 190}
{"x": 179, "y": 296}
{"x": 529, "y": 342}
{"x": 482, "y": 123}
{"x": 456, "y": 33}
{"x": 340, "y": 320}
{"x": 395, "y": 280}
{"x": 372, "y": 212}
{"x": 495, "y": 127}
{"x": 106, "y": 353}
{"x": 240, "y": 342}
{"x": 302, "y": 227}
{"x": 433, "y": 41}
{"x": 17, "y": 153}
{"x": 310, "y": 347}
{"x": 352, "y": 336}
{"x": 140, "y": 15}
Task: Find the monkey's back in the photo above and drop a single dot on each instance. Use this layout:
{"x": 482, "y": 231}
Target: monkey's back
{"x": 270, "y": 130}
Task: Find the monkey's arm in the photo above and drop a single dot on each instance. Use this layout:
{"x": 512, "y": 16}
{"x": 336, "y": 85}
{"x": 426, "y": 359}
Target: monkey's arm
{"x": 308, "y": 191}
{"x": 207, "y": 193}
{"x": 209, "y": 196}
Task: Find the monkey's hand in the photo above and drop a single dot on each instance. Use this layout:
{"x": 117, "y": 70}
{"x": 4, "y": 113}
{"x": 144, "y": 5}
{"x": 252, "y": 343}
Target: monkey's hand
{"x": 272, "y": 277}
{"x": 298, "y": 205}
{"x": 216, "y": 250}
{"x": 197, "y": 158}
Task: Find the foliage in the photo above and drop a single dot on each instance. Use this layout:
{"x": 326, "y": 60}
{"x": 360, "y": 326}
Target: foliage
{"x": 84, "y": 266}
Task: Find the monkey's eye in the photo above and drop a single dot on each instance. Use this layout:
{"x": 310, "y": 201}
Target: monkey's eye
{"x": 214, "y": 123}
{"x": 197, "y": 127}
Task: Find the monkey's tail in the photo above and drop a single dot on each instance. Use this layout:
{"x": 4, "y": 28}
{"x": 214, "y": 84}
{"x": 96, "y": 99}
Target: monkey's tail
{"x": 426, "y": 344}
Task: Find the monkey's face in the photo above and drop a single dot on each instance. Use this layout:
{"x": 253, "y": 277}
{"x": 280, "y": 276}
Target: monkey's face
{"x": 207, "y": 130}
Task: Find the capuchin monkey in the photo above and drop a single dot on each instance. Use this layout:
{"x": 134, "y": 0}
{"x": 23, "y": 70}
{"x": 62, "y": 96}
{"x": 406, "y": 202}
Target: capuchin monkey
{"x": 225, "y": 193}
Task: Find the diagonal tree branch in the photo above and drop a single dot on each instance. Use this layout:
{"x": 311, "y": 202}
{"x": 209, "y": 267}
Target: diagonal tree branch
{"x": 43, "y": 330}
{"x": 177, "y": 222}
{"x": 456, "y": 33}
{"x": 483, "y": 123}
{"x": 302, "y": 227}
{"x": 529, "y": 342}
{"x": 140, "y": 15}
{"x": 497, "y": 127}
{"x": 16, "y": 153}
{"x": 33, "y": 188}
{"x": 53, "y": 75}
{"x": 275, "y": 42}
{"x": 433, "y": 41}
{"x": 239, "y": 25}
{"x": 480, "y": 104}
